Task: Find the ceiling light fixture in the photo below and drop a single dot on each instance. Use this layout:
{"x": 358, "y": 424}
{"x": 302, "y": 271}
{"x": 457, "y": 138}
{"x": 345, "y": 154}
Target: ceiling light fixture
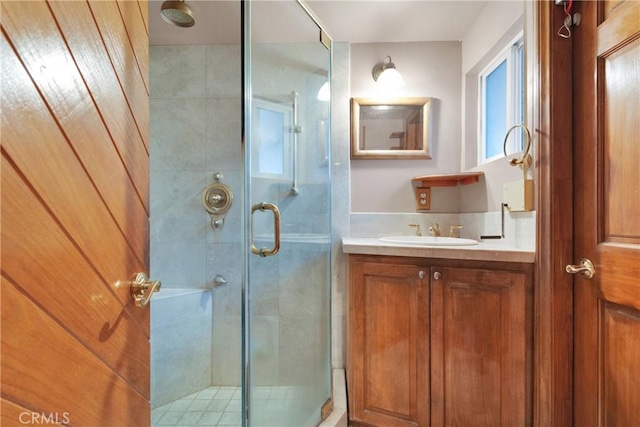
{"x": 387, "y": 75}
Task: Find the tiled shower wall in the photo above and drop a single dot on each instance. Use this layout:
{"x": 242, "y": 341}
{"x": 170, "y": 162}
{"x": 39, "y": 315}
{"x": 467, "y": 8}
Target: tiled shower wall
{"x": 196, "y": 107}
{"x": 289, "y": 294}
{"x": 181, "y": 344}
{"x": 196, "y": 131}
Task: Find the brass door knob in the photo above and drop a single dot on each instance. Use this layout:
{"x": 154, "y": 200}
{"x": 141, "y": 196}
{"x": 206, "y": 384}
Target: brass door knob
{"x": 585, "y": 268}
{"x": 142, "y": 288}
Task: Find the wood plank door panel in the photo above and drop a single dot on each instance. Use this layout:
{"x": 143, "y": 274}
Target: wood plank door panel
{"x": 136, "y": 30}
{"x": 607, "y": 213}
{"x": 481, "y": 337}
{"x": 124, "y": 58}
{"x": 74, "y": 102}
{"x": 71, "y": 380}
{"x": 10, "y": 412}
{"x": 74, "y": 214}
{"x": 33, "y": 245}
{"x": 388, "y": 368}
{"x": 34, "y": 143}
{"x": 122, "y": 108}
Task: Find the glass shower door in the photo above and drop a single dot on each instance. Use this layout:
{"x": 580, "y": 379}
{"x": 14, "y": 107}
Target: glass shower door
{"x": 287, "y": 294}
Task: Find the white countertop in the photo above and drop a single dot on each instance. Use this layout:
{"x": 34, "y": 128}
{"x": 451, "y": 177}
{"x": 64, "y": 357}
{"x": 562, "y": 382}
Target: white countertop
{"x": 481, "y": 252}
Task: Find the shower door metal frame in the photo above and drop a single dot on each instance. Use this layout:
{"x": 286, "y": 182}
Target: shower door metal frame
{"x": 247, "y": 95}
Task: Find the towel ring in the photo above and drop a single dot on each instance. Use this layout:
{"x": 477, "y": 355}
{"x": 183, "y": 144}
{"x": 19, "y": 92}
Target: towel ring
{"x": 524, "y": 161}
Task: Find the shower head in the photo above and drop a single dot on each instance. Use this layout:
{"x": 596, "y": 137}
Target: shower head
{"x": 176, "y": 12}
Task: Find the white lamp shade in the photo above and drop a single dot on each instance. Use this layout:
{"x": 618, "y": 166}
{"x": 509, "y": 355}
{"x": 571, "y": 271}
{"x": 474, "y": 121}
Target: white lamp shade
{"x": 324, "y": 94}
{"x": 391, "y": 78}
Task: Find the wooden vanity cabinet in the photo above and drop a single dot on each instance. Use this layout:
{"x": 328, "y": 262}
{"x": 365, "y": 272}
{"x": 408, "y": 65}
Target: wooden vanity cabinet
{"x": 388, "y": 335}
{"x": 439, "y": 342}
{"x": 481, "y": 335}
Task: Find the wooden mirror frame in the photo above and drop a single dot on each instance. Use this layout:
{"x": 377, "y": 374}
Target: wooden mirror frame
{"x": 422, "y": 131}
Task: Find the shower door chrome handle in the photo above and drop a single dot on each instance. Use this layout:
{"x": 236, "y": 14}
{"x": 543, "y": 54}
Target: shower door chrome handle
{"x": 264, "y": 252}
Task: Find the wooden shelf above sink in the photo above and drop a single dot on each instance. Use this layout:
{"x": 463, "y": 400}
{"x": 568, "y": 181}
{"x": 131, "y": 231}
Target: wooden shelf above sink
{"x": 447, "y": 180}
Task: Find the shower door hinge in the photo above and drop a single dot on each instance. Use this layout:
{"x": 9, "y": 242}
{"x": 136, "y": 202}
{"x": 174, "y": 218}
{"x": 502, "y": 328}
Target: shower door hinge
{"x": 325, "y": 39}
{"x": 326, "y": 409}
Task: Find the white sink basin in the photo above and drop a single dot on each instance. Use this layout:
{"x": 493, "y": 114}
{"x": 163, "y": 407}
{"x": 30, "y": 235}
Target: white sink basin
{"x": 428, "y": 241}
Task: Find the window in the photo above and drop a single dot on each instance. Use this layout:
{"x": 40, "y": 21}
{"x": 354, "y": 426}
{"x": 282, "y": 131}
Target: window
{"x": 501, "y": 101}
{"x": 272, "y": 139}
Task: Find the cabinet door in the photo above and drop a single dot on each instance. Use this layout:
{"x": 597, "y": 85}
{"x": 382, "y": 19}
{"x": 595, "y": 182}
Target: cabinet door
{"x": 480, "y": 339}
{"x": 388, "y": 372}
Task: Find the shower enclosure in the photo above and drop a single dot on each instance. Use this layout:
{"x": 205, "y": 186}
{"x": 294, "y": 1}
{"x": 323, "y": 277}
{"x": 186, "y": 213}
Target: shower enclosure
{"x": 241, "y": 328}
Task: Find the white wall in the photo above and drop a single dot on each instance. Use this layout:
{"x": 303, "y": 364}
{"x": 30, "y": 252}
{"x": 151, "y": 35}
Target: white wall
{"x": 430, "y": 69}
{"x": 496, "y": 18}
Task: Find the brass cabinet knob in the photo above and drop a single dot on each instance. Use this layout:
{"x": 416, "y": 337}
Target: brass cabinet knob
{"x": 142, "y": 288}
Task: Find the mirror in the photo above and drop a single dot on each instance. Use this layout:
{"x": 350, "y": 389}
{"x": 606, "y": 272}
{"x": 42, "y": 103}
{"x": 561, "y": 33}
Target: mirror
{"x": 390, "y": 129}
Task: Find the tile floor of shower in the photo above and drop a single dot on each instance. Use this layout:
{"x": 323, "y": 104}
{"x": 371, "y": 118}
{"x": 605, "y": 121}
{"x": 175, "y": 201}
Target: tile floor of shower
{"x": 221, "y": 406}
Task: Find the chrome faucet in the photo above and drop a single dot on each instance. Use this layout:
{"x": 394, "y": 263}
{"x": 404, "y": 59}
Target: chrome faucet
{"x": 434, "y": 230}
{"x": 418, "y": 229}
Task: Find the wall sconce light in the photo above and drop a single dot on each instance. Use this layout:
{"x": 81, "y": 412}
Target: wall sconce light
{"x": 387, "y": 75}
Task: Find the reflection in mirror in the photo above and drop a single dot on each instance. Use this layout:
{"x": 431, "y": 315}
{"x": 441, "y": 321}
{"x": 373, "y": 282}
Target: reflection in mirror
{"x": 390, "y": 129}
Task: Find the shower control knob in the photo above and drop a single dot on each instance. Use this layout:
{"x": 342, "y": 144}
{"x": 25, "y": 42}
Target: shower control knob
{"x": 215, "y": 198}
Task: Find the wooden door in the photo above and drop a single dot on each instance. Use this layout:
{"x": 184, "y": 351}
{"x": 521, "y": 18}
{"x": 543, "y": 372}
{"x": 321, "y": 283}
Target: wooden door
{"x": 388, "y": 362}
{"x": 607, "y": 213}
{"x": 481, "y": 341}
{"x": 75, "y": 350}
